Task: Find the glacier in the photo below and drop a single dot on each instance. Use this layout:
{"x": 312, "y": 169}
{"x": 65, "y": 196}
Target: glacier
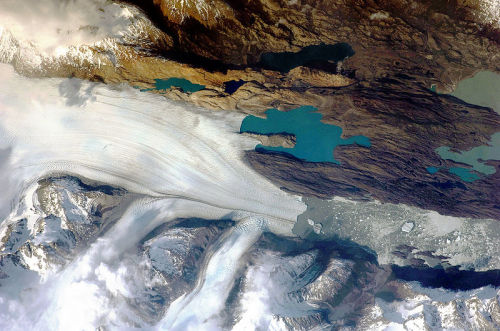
{"x": 141, "y": 142}
{"x": 180, "y": 161}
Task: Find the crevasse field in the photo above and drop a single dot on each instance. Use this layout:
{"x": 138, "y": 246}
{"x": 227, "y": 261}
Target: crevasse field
{"x": 184, "y": 162}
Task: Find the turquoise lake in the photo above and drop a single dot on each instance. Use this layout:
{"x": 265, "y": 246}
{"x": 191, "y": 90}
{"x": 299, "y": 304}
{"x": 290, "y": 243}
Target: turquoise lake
{"x": 476, "y": 156}
{"x": 182, "y": 83}
{"x": 465, "y": 174}
{"x": 482, "y": 89}
{"x": 432, "y": 170}
{"x": 315, "y": 140}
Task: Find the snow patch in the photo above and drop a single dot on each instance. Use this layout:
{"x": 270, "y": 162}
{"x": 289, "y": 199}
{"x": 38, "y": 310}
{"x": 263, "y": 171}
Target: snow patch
{"x": 380, "y": 15}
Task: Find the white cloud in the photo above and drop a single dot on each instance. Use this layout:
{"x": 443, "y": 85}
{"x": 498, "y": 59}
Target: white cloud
{"x": 40, "y": 34}
{"x": 51, "y": 25}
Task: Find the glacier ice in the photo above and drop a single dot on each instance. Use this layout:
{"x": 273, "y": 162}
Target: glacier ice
{"x": 180, "y": 161}
{"x": 141, "y": 142}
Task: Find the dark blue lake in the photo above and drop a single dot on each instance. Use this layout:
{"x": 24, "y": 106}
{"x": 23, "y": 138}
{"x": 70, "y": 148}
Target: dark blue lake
{"x": 286, "y": 61}
{"x": 231, "y": 86}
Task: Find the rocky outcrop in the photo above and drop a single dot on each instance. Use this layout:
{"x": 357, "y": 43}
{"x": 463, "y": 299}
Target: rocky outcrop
{"x": 283, "y": 140}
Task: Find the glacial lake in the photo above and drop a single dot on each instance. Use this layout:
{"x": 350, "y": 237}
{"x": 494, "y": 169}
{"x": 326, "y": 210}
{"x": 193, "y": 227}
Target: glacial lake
{"x": 483, "y": 89}
{"x": 432, "y": 170}
{"x": 465, "y": 174}
{"x": 182, "y": 83}
{"x": 286, "y": 61}
{"x": 476, "y": 156}
{"x": 315, "y": 140}
{"x": 231, "y": 86}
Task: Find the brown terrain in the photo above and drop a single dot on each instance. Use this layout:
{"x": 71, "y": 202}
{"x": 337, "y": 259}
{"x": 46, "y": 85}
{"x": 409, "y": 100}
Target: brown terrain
{"x": 404, "y": 128}
{"x": 402, "y": 48}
